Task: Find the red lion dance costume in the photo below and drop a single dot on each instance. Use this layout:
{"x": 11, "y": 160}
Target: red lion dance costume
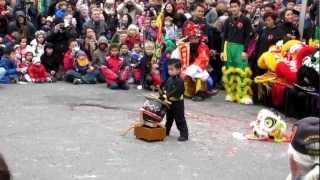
{"x": 283, "y": 63}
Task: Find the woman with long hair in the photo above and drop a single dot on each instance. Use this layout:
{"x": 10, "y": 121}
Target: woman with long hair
{"x": 288, "y": 30}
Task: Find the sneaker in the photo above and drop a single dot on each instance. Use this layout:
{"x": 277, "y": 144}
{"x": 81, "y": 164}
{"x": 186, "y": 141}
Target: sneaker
{"x": 213, "y": 92}
{"x": 246, "y": 100}
{"x": 139, "y": 87}
{"x": 131, "y": 80}
{"x": 167, "y": 133}
{"x": 27, "y": 78}
{"x": 22, "y": 82}
{"x": 77, "y": 81}
{"x": 220, "y": 86}
{"x": 113, "y": 86}
{"x": 124, "y": 86}
{"x": 94, "y": 81}
{"x": 49, "y": 80}
{"x": 53, "y": 79}
{"x": 197, "y": 98}
{"x": 228, "y": 98}
{"x": 182, "y": 138}
{"x": 14, "y": 81}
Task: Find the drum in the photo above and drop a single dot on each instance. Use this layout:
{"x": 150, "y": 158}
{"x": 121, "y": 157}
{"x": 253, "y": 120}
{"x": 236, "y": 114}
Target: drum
{"x": 153, "y": 110}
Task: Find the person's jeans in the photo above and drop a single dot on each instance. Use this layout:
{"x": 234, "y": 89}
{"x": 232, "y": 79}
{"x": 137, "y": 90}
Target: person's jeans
{"x": 2, "y": 72}
{"x": 6, "y": 79}
{"x": 87, "y": 78}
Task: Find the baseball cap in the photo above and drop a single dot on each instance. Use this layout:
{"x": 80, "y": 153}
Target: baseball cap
{"x": 306, "y": 136}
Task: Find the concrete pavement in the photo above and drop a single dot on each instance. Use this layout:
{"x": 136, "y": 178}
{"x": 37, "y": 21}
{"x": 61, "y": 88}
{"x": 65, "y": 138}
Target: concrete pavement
{"x": 65, "y": 132}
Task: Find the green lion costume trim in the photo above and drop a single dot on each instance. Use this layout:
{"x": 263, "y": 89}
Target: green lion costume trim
{"x": 236, "y": 74}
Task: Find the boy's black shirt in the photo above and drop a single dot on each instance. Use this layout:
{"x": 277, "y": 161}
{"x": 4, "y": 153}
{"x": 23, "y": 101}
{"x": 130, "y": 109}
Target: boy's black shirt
{"x": 173, "y": 88}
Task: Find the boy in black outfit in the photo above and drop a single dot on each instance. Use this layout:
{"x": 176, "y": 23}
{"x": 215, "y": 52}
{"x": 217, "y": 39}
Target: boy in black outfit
{"x": 172, "y": 91}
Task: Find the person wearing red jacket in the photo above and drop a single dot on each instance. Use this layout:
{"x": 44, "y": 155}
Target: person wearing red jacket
{"x": 38, "y": 72}
{"x": 133, "y": 36}
{"x": 68, "y": 58}
{"x": 116, "y": 72}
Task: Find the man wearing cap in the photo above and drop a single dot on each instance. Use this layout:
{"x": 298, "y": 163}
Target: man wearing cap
{"x": 22, "y": 25}
{"x": 304, "y": 150}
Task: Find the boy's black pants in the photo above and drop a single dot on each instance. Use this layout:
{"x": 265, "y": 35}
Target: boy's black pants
{"x": 176, "y": 112}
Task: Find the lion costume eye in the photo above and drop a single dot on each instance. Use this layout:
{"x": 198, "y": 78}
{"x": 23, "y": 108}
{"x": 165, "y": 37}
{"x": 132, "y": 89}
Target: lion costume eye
{"x": 269, "y": 122}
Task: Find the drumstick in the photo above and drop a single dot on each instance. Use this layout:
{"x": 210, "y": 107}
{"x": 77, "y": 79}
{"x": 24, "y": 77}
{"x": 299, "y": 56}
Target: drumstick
{"x": 133, "y": 125}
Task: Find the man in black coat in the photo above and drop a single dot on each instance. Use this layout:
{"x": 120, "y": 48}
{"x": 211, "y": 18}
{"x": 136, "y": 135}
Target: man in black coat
{"x": 60, "y": 35}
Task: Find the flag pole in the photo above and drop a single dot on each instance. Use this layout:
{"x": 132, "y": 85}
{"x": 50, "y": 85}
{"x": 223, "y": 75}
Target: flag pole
{"x": 302, "y": 17}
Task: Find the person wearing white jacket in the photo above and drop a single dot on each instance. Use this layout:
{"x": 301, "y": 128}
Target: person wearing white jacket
{"x": 37, "y": 44}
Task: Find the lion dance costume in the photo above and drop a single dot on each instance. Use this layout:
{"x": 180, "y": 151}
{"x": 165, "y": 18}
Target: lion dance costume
{"x": 283, "y": 62}
{"x": 236, "y": 74}
{"x": 236, "y": 71}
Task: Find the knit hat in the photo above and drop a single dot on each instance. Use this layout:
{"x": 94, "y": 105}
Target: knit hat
{"x": 82, "y": 59}
{"x": 306, "y": 136}
{"x": 49, "y": 45}
{"x": 136, "y": 56}
{"x": 133, "y": 27}
{"x": 20, "y": 13}
{"x": 102, "y": 40}
{"x": 36, "y": 60}
{"x": 80, "y": 54}
{"x": 39, "y": 33}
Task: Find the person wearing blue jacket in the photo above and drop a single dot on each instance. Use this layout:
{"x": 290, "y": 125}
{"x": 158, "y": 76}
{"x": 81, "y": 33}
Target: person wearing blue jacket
{"x": 9, "y": 68}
